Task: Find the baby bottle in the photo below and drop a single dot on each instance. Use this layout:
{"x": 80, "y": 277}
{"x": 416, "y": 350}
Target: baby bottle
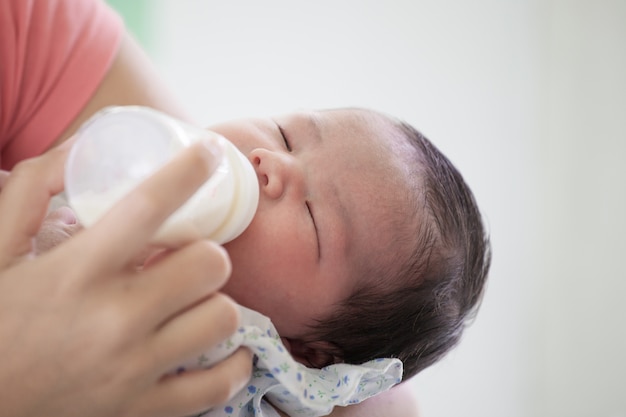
{"x": 120, "y": 146}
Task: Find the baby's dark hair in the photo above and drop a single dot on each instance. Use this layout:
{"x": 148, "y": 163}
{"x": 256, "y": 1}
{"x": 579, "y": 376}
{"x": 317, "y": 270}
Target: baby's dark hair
{"x": 415, "y": 308}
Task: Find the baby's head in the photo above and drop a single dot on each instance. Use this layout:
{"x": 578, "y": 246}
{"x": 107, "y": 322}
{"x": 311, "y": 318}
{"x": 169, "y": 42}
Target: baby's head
{"x": 367, "y": 242}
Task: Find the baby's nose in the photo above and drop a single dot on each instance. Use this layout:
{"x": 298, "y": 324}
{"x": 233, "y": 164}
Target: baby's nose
{"x": 275, "y": 171}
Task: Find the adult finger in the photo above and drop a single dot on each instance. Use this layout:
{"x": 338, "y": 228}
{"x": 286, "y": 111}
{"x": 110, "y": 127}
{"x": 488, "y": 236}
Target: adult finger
{"x": 128, "y": 226}
{"x": 196, "y": 391}
{"x": 200, "y": 269}
{"x": 192, "y": 332}
{"x": 24, "y": 201}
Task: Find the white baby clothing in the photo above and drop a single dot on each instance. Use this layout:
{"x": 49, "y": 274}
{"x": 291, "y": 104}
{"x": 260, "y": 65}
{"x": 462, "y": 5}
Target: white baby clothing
{"x": 289, "y": 385}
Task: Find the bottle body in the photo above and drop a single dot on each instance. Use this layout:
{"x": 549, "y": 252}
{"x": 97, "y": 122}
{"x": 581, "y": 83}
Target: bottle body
{"x": 121, "y": 146}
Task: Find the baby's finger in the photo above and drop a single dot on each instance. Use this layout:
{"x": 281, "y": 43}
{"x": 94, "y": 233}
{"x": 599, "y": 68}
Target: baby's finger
{"x": 179, "y": 280}
{"x": 196, "y": 391}
{"x": 128, "y": 226}
{"x": 24, "y": 201}
{"x": 195, "y": 330}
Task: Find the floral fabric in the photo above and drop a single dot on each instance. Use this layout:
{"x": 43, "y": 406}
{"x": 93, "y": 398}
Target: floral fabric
{"x": 286, "y": 384}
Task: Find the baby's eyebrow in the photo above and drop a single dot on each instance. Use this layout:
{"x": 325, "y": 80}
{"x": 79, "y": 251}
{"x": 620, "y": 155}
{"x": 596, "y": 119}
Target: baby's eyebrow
{"x": 314, "y": 127}
{"x": 336, "y": 229}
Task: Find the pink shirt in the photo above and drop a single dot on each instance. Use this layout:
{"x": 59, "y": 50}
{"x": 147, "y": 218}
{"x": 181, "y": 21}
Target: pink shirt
{"x": 53, "y": 56}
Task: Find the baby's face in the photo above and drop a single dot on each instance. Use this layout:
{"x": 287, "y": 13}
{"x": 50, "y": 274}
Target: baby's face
{"x": 328, "y": 180}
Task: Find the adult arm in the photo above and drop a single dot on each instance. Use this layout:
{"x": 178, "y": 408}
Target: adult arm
{"x": 61, "y": 61}
{"x": 399, "y": 401}
{"x": 131, "y": 80}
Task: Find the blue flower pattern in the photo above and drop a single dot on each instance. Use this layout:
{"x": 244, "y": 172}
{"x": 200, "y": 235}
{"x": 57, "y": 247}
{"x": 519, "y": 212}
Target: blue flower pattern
{"x": 297, "y": 390}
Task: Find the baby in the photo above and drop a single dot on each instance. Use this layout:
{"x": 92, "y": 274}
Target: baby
{"x": 366, "y": 244}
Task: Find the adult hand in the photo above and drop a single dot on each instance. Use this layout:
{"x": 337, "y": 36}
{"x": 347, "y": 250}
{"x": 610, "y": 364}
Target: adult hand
{"x": 84, "y": 332}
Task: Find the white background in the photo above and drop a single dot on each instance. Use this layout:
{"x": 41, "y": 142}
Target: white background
{"x": 526, "y": 97}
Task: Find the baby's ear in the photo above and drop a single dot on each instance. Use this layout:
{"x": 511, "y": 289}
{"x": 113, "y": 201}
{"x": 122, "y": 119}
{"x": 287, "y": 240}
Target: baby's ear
{"x": 316, "y": 354}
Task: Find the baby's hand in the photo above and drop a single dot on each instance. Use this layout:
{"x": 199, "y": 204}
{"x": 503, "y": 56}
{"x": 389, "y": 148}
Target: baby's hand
{"x": 58, "y": 226}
